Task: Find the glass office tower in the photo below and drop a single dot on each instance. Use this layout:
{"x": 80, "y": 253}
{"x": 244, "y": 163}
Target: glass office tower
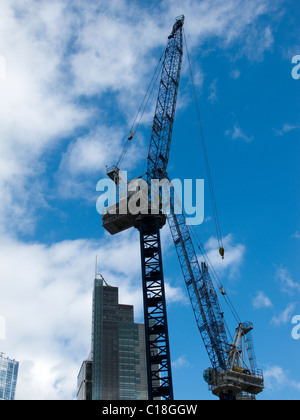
{"x": 84, "y": 381}
{"x": 8, "y": 377}
{"x": 116, "y": 369}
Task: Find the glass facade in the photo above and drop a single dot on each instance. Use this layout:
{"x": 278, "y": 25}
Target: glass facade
{"x": 118, "y": 354}
{"x": 84, "y": 381}
{"x": 132, "y": 362}
{"x": 97, "y": 333}
{"x": 8, "y": 378}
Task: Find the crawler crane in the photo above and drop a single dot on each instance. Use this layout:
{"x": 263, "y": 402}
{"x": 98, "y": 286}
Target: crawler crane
{"x": 233, "y": 373}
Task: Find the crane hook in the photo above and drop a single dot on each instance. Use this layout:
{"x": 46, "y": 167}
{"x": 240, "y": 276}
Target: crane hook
{"x": 222, "y": 291}
{"x": 131, "y": 135}
{"x": 222, "y": 252}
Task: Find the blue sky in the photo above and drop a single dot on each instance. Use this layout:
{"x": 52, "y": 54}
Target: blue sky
{"x": 72, "y": 78}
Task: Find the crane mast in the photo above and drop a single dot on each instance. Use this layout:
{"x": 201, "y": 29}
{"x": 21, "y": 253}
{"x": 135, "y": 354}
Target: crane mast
{"x": 155, "y": 313}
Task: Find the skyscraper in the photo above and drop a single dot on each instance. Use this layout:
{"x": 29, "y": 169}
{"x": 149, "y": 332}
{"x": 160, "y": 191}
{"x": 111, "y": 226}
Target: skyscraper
{"x": 117, "y": 366}
{"x": 84, "y": 381}
{"x": 8, "y": 377}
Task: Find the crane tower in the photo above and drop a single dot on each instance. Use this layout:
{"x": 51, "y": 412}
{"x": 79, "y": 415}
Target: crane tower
{"x": 149, "y": 225}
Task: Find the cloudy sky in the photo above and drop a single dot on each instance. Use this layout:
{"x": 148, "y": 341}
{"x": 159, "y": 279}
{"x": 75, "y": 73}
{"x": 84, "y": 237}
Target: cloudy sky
{"x": 72, "y": 77}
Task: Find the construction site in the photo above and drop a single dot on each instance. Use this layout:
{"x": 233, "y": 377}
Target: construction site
{"x": 233, "y": 373}
{"x": 149, "y": 212}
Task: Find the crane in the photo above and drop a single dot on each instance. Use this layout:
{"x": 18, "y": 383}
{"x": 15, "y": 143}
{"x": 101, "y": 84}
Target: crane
{"x": 233, "y": 372}
{"x": 159, "y": 372}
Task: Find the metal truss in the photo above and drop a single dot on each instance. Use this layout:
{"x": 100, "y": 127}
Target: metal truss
{"x": 166, "y": 103}
{"x": 156, "y": 326}
{"x": 201, "y": 291}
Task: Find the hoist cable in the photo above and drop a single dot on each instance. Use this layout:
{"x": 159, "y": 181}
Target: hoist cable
{"x": 209, "y": 177}
{"x": 138, "y": 118}
{"x": 147, "y": 96}
{"x": 214, "y": 274}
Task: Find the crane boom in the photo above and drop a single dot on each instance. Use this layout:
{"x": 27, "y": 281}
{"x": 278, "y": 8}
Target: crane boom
{"x": 201, "y": 291}
{"x": 162, "y": 127}
{"x": 232, "y": 375}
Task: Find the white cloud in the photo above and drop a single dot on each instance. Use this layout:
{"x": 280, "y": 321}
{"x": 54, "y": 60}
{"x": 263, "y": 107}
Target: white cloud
{"x": 46, "y": 300}
{"x": 112, "y": 47}
{"x": 37, "y": 110}
{"x": 122, "y": 35}
{"x": 258, "y": 40}
{"x": 287, "y": 128}
{"x": 285, "y": 316}
{"x": 235, "y": 74}
{"x": 2, "y": 328}
{"x": 90, "y": 153}
{"x": 287, "y": 282}
{"x": 84, "y": 162}
{"x": 181, "y": 363}
{"x": 230, "y": 21}
{"x": 46, "y": 295}
{"x": 276, "y": 378}
{"x": 2, "y": 67}
{"x": 36, "y": 107}
{"x": 234, "y": 254}
{"x": 175, "y": 294}
{"x": 87, "y": 158}
{"x": 213, "y": 92}
{"x": 261, "y": 301}
{"x": 61, "y": 63}
{"x": 237, "y": 134}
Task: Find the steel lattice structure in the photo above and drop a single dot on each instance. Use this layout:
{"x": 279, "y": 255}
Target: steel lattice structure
{"x": 165, "y": 106}
{"x": 156, "y": 326}
{"x": 201, "y": 291}
{"x": 155, "y": 314}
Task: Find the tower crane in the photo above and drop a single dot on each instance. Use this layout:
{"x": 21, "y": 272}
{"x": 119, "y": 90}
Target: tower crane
{"x": 233, "y": 372}
{"x": 159, "y": 373}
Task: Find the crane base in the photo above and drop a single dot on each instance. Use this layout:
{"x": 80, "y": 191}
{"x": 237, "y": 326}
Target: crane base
{"x": 234, "y": 383}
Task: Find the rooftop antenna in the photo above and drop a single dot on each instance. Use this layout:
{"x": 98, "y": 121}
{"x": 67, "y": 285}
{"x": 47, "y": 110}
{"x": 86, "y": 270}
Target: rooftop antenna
{"x": 102, "y": 278}
{"x": 96, "y": 267}
{"x": 99, "y": 275}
